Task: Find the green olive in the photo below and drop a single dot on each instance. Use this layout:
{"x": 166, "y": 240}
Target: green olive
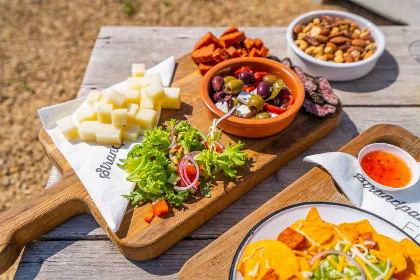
{"x": 262, "y": 115}
{"x": 235, "y": 100}
{"x": 228, "y": 79}
{"x": 256, "y": 103}
{"x": 270, "y": 78}
{"x": 234, "y": 87}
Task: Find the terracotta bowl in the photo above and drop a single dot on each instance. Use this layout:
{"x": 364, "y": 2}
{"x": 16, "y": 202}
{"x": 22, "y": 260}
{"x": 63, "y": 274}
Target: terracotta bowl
{"x": 248, "y": 127}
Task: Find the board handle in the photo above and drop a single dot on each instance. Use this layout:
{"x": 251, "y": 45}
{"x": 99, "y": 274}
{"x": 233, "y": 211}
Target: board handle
{"x": 31, "y": 218}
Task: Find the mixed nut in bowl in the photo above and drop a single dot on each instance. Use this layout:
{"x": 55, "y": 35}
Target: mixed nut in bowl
{"x": 260, "y": 96}
{"x": 337, "y": 45}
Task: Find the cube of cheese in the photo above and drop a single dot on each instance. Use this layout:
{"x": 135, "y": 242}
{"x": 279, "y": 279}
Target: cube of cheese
{"x": 131, "y": 132}
{"x": 131, "y": 111}
{"x": 158, "y": 109}
{"x": 138, "y": 70}
{"x": 108, "y": 134}
{"x": 139, "y": 82}
{"x": 97, "y": 104}
{"x": 93, "y": 96}
{"x": 119, "y": 116}
{"x": 154, "y": 91}
{"x": 145, "y": 101}
{"x": 67, "y": 127}
{"x": 104, "y": 113}
{"x": 146, "y": 118}
{"x": 115, "y": 98}
{"x": 87, "y": 114}
{"x": 87, "y": 130}
{"x": 131, "y": 95}
{"x": 172, "y": 99}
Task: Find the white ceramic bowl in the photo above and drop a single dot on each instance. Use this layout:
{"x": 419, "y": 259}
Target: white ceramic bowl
{"x": 406, "y": 157}
{"x": 330, "y": 70}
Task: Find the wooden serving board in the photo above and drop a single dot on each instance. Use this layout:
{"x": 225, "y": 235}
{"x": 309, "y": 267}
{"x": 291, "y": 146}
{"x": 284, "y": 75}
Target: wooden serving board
{"x": 214, "y": 261}
{"x": 136, "y": 239}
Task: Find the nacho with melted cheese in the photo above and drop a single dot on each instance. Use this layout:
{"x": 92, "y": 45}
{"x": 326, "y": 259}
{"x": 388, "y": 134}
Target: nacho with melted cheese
{"x": 313, "y": 249}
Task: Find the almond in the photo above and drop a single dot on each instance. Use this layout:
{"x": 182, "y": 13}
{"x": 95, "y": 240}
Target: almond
{"x": 339, "y": 40}
{"x": 325, "y": 31}
{"x": 355, "y": 48}
{"x": 322, "y": 38}
{"x": 297, "y": 29}
{"x": 348, "y": 58}
{"x": 336, "y": 34}
{"x": 358, "y": 42}
{"x": 367, "y": 38}
{"x": 344, "y": 47}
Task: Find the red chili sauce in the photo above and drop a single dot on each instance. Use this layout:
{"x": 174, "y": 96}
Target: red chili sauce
{"x": 386, "y": 169}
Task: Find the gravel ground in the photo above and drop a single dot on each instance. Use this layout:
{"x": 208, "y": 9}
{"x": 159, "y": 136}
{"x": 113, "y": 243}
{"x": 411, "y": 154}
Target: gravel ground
{"x": 46, "y": 44}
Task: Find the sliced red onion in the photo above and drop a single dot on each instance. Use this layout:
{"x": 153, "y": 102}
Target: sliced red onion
{"x": 171, "y": 146}
{"x": 173, "y": 130}
{"x": 350, "y": 259}
{"x": 183, "y": 173}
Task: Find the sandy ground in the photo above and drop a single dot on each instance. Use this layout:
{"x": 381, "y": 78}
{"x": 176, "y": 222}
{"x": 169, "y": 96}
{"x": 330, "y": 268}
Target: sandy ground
{"x": 45, "y": 47}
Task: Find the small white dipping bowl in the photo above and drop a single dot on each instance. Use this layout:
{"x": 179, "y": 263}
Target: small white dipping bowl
{"x": 406, "y": 157}
{"x": 331, "y": 70}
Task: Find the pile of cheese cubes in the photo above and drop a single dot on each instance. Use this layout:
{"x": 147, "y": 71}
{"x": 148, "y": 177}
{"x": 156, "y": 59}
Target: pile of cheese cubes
{"x": 122, "y": 115}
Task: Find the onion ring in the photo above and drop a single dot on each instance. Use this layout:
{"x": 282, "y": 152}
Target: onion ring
{"x": 183, "y": 173}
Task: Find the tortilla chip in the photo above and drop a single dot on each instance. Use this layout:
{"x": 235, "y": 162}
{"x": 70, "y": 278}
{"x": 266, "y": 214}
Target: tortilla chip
{"x": 313, "y": 215}
{"x": 412, "y": 251}
{"x": 303, "y": 264}
{"x": 321, "y": 233}
{"x": 350, "y": 232}
{"x": 268, "y": 254}
{"x": 364, "y": 226}
{"x": 390, "y": 249}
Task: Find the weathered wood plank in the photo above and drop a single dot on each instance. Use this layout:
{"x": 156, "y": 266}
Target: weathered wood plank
{"x": 99, "y": 259}
{"x": 118, "y": 47}
{"x": 353, "y": 122}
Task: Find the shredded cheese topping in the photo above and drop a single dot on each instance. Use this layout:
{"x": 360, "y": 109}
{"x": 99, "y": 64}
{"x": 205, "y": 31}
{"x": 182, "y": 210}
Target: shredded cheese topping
{"x": 252, "y": 253}
{"x": 254, "y": 272}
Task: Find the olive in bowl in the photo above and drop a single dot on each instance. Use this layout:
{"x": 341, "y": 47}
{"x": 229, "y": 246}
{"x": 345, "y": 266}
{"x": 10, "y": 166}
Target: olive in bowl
{"x": 266, "y": 103}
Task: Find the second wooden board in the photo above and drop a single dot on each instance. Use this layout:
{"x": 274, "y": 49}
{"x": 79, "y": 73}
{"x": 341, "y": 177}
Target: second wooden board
{"x": 214, "y": 261}
{"x": 137, "y": 239}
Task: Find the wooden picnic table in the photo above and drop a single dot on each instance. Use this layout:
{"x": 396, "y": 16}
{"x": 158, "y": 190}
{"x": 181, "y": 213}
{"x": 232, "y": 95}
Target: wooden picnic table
{"x": 79, "y": 249}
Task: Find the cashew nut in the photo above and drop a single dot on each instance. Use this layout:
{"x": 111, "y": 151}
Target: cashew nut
{"x": 319, "y": 50}
{"x": 302, "y": 44}
{"x": 310, "y": 50}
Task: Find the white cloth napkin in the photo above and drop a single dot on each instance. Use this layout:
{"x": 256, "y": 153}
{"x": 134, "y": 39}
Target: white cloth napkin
{"x": 401, "y": 208}
{"x": 96, "y": 165}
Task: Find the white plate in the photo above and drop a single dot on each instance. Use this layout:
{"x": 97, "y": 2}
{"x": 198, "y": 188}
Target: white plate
{"x": 271, "y": 226}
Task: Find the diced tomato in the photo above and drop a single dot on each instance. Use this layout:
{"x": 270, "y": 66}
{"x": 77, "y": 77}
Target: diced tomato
{"x": 291, "y": 99}
{"x": 149, "y": 215}
{"x": 243, "y": 69}
{"x": 259, "y": 75}
{"x": 274, "y": 109}
{"x": 249, "y": 88}
{"x": 190, "y": 169}
{"x": 218, "y": 148}
{"x": 160, "y": 208}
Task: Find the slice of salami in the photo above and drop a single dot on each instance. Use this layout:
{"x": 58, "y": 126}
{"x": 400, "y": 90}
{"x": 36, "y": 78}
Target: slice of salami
{"x": 307, "y": 83}
{"x": 318, "y": 110}
{"x": 325, "y": 89}
{"x": 286, "y": 62}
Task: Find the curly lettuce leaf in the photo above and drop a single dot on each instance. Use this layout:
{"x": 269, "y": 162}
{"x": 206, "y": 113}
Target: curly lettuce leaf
{"x": 213, "y": 162}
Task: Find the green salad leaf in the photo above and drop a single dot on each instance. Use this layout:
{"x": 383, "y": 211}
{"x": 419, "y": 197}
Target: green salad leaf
{"x": 230, "y": 157}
